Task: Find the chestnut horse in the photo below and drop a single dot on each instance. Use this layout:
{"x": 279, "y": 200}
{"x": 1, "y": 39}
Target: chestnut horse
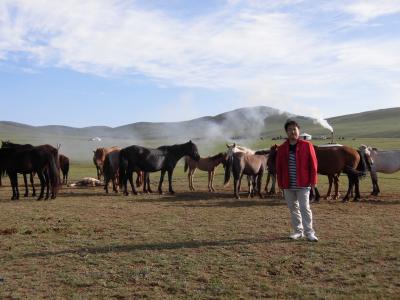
{"x": 99, "y": 155}
{"x": 334, "y": 160}
{"x": 240, "y": 164}
{"x": 208, "y": 164}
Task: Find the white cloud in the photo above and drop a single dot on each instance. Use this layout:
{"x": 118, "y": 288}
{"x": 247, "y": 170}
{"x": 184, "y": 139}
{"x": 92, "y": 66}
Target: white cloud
{"x": 264, "y": 50}
{"x": 365, "y": 10}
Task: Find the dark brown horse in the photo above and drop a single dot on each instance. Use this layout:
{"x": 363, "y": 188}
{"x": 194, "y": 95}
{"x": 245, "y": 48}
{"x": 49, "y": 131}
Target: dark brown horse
{"x": 42, "y": 160}
{"x": 64, "y": 166}
{"x": 240, "y": 164}
{"x": 271, "y": 170}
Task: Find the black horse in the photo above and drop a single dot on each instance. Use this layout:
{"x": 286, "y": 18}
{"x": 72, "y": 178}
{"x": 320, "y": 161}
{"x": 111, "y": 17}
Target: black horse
{"x": 164, "y": 159}
{"x": 8, "y": 144}
{"x": 42, "y": 160}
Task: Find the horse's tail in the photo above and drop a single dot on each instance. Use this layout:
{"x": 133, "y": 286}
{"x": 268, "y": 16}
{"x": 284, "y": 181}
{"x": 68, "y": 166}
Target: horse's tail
{"x": 353, "y": 172}
{"x": 362, "y": 165}
{"x": 185, "y": 168}
{"x": 123, "y": 167}
{"x": 228, "y": 169}
{"x": 54, "y": 172}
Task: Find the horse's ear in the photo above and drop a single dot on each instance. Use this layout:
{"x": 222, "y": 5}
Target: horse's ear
{"x": 190, "y": 142}
{"x": 58, "y": 146}
{"x": 234, "y": 145}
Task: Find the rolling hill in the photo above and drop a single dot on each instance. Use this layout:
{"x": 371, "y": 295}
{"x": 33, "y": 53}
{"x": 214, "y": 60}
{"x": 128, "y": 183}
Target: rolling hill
{"x": 243, "y": 123}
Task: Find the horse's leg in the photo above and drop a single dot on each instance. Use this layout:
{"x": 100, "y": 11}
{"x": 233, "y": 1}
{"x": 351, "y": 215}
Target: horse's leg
{"x": 131, "y": 183}
{"x": 236, "y": 188}
{"x": 161, "y": 181}
{"x": 259, "y": 182}
{"x": 336, "y": 182}
{"x": 14, "y": 184}
{"x": 250, "y": 185}
{"x": 328, "y": 194}
{"x": 33, "y": 185}
{"x": 115, "y": 184}
{"x": 375, "y": 187}
{"x": 267, "y": 182}
{"x": 272, "y": 191}
{"x": 26, "y": 185}
{"x": 147, "y": 178}
{"x": 170, "y": 172}
{"x": 212, "y": 180}
{"x": 350, "y": 187}
{"x": 106, "y": 181}
{"x": 189, "y": 181}
{"x": 42, "y": 184}
{"x": 209, "y": 181}
{"x": 357, "y": 195}
{"x": 47, "y": 178}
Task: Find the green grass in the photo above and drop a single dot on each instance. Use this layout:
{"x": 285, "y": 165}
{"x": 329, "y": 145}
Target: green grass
{"x": 197, "y": 245}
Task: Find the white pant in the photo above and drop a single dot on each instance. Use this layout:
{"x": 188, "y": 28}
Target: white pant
{"x": 300, "y": 212}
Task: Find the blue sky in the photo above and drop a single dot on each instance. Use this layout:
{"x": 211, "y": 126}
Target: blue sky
{"x": 114, "y": 62}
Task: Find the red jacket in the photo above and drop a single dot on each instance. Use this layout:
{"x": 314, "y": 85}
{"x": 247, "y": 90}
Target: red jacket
{"x": 306, "y": 164}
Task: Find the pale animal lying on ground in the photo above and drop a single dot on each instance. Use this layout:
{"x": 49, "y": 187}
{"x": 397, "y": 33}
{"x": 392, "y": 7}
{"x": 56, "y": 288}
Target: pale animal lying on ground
{"x": 87, "y": 181}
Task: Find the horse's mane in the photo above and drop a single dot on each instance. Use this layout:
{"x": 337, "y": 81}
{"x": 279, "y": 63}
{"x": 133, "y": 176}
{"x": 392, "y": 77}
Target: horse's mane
{"x": 216, "y": 156}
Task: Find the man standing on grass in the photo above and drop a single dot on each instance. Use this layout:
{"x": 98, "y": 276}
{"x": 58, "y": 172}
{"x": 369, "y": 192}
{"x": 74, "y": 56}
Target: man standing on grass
{"x": 296, "y": 168}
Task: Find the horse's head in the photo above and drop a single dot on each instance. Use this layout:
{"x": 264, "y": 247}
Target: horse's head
{"x": 192, "y": 151}
{"x": 98, "y": 157}
{"x": 6, "y": 144}
{"x": 366, "y": 152}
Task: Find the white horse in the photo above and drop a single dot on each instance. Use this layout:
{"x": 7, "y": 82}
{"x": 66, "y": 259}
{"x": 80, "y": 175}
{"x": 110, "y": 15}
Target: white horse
{"x": 387, "y": 162}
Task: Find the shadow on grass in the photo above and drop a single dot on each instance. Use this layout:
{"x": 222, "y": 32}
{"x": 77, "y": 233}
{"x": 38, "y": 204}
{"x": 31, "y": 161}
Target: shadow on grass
{"x": 193, "y": 244}
{"x": 239, "y": 203}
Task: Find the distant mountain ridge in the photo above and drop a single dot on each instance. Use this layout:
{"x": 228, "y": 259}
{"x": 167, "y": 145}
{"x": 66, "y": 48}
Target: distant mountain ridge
{"x": 244, "y": 122}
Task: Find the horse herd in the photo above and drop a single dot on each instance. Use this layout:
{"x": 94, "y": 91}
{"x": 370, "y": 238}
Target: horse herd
{"x": 118, "y": 165}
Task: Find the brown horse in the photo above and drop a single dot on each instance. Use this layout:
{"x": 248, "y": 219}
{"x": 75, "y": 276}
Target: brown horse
{"x": 111, "y": 171}
{"x": 334, "y": 160}
{"x": 64, "y": 166}
{"x": 245, "y": 164}
{"x": 99, "y": 155}
{"x": 208, "y": 164}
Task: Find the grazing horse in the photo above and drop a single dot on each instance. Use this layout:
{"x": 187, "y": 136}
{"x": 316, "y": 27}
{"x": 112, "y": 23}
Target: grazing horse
{"x": 64, "y": 166}
{"x": 240, "y": 164}
{"x": 164, "y": 159}
{"x": 208, "y": 164}
{"x": 99, "y": 155}
{"x": 43, "y": 160}
{"x": 387, "y": 162}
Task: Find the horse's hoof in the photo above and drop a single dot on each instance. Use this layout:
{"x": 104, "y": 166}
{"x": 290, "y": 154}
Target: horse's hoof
{"x": 26, "y": 195}
{"x": 172, "y": 192}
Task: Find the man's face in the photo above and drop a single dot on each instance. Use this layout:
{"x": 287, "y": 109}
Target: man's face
{"x": 292, "y": 132}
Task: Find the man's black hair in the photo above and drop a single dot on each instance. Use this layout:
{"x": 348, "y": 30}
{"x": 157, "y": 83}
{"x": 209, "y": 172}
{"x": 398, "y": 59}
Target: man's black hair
{"x": 291, "y": 122}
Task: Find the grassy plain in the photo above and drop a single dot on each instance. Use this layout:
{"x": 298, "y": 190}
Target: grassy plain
{"x": 198, "y": 245}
